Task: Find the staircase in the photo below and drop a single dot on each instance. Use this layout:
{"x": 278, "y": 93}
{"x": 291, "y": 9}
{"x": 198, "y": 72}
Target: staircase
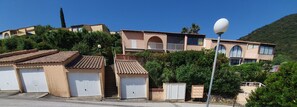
{"x": 111, "y": 90}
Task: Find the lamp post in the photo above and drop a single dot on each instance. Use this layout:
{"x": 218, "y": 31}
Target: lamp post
{"x": 99, "y": 47}
{"x": 219, "y": 28}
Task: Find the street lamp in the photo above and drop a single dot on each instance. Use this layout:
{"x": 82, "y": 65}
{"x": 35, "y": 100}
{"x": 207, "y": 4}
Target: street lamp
{"x": 99, "y": 47}
{"x": 220, "y": 27}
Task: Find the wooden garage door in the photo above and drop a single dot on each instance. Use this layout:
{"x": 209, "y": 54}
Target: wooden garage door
{"x": 34, "y": 80}
{"x": 8, "y": 79}
{"x": 84, "y": 84}
{"x": 133, "y": 88}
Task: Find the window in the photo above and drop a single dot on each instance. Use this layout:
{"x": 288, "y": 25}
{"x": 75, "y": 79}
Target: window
{"x": 6, "y": 35}
{"x": 236, "y": 51}
{"x": 80, "y": 29}
{"x": 251, "y": 46}
{"x": 250, "y": 60}
{"x": 266, "y": 50}
{"x": 200, "y": 41}
{"x": 235, "y": 61}
{"x": 176, "y": 39}
{"x": 222, "y": 49}
{"x": 194, "y": 40}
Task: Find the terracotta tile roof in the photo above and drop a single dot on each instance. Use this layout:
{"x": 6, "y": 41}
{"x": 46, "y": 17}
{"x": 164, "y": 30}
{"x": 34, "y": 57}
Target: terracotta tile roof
{"x": 28, "y": 56}
{"x": 17, "y": 53}
{"x": 87, "y": 62}
{"x": 54, "y": 58}
{"x": 129, "y": 67}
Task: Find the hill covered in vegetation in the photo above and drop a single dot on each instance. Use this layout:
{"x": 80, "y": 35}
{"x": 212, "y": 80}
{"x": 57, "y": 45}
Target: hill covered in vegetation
{"x": 283, "y": 33}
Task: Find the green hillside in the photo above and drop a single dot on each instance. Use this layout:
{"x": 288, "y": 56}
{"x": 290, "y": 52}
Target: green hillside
{"x": 282, "y": 32}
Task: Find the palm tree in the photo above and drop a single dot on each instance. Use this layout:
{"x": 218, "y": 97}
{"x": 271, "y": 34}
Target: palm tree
{"x": 194, "y": 29}
{"x": 184, "y": 30}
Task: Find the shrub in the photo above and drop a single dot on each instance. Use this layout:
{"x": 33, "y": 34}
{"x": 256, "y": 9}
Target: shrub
{"x": 24, "y": 43}
{"x": 226, "y": 84}
{"x": 251, "y": 72}
{"x": 82, "y": 47}
{"x": 43, "y": 46}
{"x": 280, "y": 89}
{"x": 193, "y": 68}
{"x": 10, "y": 44}
{"x": 155, "y": 71}
{"x": 168, "y": 75}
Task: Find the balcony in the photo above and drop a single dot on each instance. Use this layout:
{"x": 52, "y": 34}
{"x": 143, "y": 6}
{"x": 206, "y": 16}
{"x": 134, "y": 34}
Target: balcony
{"x": 175, "y": 47}
{"x": 155, "y": 46}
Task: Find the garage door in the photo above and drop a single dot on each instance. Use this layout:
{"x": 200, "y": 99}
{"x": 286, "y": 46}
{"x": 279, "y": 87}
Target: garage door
{"x": 133, "y": 88}
{"x": 34, "y": 80}
{"x": 84, "y": 84}
{"x": 8, "y": 79}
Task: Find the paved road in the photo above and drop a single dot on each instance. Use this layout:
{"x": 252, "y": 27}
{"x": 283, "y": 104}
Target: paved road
{"x": 5, "y": 102}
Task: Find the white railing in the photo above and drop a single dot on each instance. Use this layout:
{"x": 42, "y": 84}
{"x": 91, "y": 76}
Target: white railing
{"x": 175, "y": 47}
{"x": 155, "y": 46}
{"x": 257, "y": 84}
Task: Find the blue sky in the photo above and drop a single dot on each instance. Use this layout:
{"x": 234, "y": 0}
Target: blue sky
{"x": 166, "y": 15}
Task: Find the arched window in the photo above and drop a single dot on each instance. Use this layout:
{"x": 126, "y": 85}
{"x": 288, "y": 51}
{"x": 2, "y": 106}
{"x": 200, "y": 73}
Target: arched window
{"x": 6, "y": 35}
{"x": 222, "y": 49}
{"x": 236, "y": 51}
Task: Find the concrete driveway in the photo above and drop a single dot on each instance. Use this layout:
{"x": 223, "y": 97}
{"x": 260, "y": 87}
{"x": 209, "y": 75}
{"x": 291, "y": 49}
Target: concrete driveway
{"x": 8, "y": 93}
{"x": 11, "y": 102}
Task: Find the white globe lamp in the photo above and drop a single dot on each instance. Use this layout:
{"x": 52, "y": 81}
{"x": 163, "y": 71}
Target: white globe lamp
{"x": 221, "y": 26}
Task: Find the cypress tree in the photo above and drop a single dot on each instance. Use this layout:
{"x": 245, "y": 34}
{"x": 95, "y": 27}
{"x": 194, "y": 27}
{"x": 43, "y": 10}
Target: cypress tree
{"x": 63, "y": 23}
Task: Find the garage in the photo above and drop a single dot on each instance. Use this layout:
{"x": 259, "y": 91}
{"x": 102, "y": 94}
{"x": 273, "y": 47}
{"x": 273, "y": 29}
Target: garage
{"x": 86, "y": 76}
{"x": 84, "y": 84}
{"x": 8, "y": 79}
{"x": 33, "y": 80}
{"x": 133, "y": 88}
{"x": 132, "y": 79}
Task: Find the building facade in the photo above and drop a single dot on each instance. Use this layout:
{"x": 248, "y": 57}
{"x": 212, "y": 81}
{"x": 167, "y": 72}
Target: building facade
{"x": 240, "y": 52}
{"x": 236, "y": 50}
{"x": 135, "y": 41}
{"x": 18, "y": 32}
{"x": 90, "y": 28}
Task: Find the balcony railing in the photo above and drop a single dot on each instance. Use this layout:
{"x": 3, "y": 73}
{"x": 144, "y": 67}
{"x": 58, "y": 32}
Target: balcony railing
{"x": 175, "y": 47}
{"x": 155, "y": 46}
